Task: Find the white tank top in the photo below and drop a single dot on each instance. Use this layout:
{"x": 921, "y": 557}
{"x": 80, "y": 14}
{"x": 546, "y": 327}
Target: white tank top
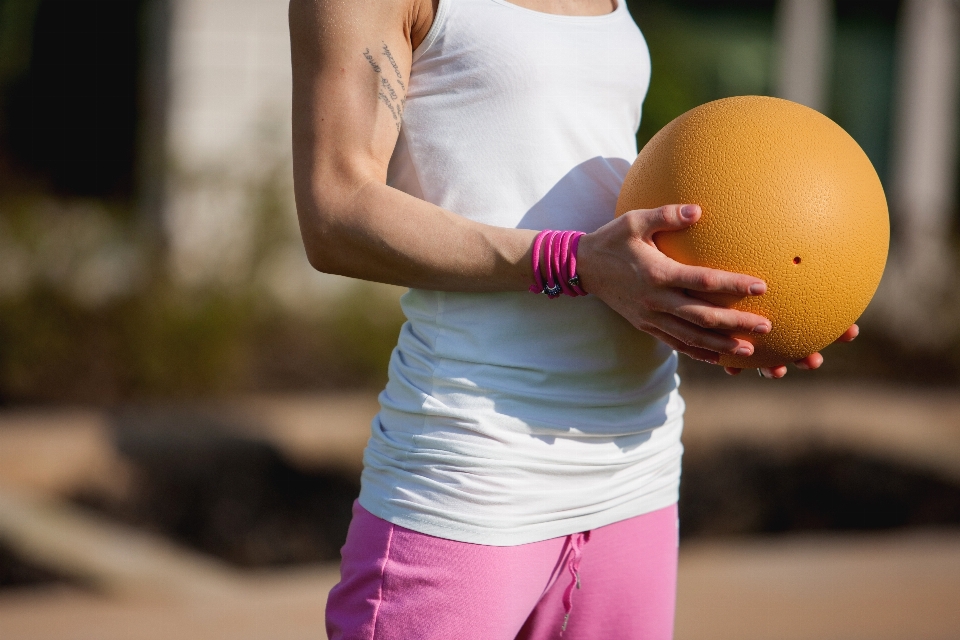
{"x": 510, "y": 418}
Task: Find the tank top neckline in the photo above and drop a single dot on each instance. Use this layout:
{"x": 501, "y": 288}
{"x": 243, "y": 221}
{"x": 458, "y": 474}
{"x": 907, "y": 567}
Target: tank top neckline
{"x": 563, "y": 17}
{"x": 444, "y": 6}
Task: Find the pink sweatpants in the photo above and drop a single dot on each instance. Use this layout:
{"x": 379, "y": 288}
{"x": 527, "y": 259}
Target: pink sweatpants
{"x": 397, "y": 584}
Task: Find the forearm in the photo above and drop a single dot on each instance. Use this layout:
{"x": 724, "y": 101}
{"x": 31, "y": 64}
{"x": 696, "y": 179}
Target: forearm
{"x": 374, "y": 232}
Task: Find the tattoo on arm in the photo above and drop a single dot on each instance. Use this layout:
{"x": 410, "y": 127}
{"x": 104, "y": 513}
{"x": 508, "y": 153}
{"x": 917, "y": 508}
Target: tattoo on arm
{"x": 393, "y": 63}
{"x": 366, "y": 54}
{"x": 387, "y": 94}
{"x": 386, "y": 85}
{"x": 385, "y": 100}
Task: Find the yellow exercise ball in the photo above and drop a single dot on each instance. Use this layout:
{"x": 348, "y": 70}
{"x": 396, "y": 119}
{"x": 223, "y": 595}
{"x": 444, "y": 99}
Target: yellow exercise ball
{"x": 787, "y": 196}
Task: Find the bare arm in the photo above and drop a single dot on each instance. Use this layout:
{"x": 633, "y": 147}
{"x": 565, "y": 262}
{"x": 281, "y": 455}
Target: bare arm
{"x": 351, "y": 62}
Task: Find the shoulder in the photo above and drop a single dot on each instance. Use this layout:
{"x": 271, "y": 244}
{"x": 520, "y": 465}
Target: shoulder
{"x": 314, "y": 19}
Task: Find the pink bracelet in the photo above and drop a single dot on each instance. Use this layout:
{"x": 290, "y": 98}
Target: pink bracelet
{"x": 550, "y": 287}
{"x": 555, "y": 253}
{"x": 563, "y": 263}
{"x": 574, "y": 280}
{"x": 538, "y": 278}
{"x": 555, "y": 281}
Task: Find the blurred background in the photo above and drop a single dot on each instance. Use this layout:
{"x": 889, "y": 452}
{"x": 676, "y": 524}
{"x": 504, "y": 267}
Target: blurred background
{"x": 184, "y": 401}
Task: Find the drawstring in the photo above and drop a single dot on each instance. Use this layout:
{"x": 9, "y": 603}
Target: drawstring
{"x": 576, "y": 542}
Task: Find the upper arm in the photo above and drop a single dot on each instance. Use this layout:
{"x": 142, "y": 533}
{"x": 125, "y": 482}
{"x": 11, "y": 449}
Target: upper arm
{"x": 351, "y": 62}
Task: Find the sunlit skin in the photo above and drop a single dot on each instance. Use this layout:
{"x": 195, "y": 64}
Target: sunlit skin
{"x": 353, "y": 224}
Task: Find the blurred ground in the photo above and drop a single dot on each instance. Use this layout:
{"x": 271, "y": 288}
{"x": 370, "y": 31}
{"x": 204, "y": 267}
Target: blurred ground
{"x": 899, "y": 587}
{"x": 105, "y": 579}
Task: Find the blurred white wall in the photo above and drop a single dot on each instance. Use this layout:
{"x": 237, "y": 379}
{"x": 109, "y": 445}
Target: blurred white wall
{"x": 228, "y": 143}
{"x": 804, "y": 34}
{"x": 230, "y": 69}
{"x": 227, "y": 120}
{"x": 919, "y": 298}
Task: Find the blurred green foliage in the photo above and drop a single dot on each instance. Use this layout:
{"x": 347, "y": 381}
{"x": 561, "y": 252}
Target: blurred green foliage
{"x": 863, "y": 74}
{"x": 151, "y": 343}
{"x": 162, "y": 342}
{"x": 699, "y": 55}
{"x": 16, "y": 30}
{"x": 89, "y": 313}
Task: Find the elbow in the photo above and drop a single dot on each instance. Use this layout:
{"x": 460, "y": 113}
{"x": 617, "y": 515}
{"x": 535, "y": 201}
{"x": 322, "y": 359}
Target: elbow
{"x": 318, "y": 235}
{"x": 330, "y": 212}
{"x": 323, "y": 233}
{"x": 324, "y": 259}
{"x": 317, "y": 256}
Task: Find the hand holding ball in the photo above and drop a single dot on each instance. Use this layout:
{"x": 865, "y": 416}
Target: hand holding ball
{"x": 787, "y": 196}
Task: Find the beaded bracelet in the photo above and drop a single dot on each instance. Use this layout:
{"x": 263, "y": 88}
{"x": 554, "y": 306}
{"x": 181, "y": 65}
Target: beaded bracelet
{"x": 555, "y": 252}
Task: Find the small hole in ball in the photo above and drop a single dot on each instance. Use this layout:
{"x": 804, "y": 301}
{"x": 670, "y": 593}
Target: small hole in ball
{"x": 796, "y": 260}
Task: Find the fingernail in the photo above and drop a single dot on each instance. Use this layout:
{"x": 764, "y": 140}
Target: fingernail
{"x": 743, "y": 351}
{"x": 688, "y": 211}
{"x": 762, "y": 328}
{"x": 758, "y": 289}
{"x": 802, "y": 365}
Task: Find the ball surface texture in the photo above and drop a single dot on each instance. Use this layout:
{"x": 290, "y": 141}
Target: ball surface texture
{"x": 787, "y": 196}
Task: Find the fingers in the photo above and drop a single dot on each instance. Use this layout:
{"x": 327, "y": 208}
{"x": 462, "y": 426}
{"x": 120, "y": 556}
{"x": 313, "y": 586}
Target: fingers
{"x": 671, "y": 217}
{"x": 674, "y": 217}
{"x": 766, "y": 372}
{"x": 812, "y": 361}
{"x": 714, "y": 317}
{"x": 850, "y": 334}
{"x": 704, "y": 355}
{"x": 703, "y": 339}
{"x": 686, "y": 307}
{"x": 714, "y": 281}
{"x": 774, "y": 373}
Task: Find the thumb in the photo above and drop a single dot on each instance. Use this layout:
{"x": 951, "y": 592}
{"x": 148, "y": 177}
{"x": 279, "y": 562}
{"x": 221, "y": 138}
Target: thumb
{"x": 671, "y": 217}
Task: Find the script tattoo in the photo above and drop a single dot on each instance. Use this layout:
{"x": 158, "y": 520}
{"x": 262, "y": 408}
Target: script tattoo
{"x": 386, "y": 85}
{"x": 385, "y": 100}
{"x": 393, "y": 63}
{"x": 366, "y": 54}
{"x": 387, "y": 94}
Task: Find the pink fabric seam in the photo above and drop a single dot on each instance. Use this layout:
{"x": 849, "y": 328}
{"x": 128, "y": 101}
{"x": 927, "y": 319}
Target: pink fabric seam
{"x": 383, "y": 571}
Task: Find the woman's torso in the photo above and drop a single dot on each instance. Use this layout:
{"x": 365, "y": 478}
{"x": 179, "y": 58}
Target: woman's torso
{"x": 503, "y": 410}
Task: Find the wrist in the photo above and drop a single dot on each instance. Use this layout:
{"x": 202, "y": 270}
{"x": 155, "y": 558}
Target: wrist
{"x": 587, "y": 262}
